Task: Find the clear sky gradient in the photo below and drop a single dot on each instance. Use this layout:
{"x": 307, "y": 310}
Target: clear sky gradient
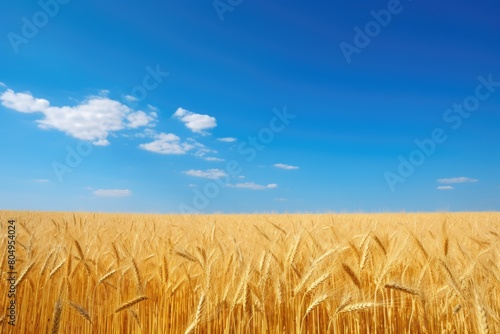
{"x": 250, "y": 106}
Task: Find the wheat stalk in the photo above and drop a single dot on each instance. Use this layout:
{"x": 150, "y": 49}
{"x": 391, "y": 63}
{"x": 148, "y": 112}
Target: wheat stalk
{"x": 445, "y": 246}
{"x": 130, "y": 303}
{"x": 57, "y": 317}
{"x": 137, "y": 276}
{"x": 352, "y": 275}
{"x": 81, "y": 311}
{"x": 23, "y": 274}
{"x": 106, "y": 276}
{"x": 379, "y": 243}
{"x": 317, "y": 283}
{"x": 482, "y": 319}
{"x": 315, "y": 303}
{"x": 200, "y": 310}
{"x": 56, "y": 269}
{"x": 404, "y": 289}
{"x": 357, "y": 307}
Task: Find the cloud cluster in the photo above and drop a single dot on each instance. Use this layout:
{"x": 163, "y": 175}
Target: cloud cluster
{"x": 197, "y": 123}
{"x": 454, "y": 180}
{"x": 94, "y": 119}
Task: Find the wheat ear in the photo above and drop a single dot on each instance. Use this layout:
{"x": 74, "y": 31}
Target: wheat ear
{"x": 199, "y": 314}
{"x": 352, "y": 275}
{"x": 130, "y": 303}
{"x": 57, "y": 317}
{"x": 81, "y": 311}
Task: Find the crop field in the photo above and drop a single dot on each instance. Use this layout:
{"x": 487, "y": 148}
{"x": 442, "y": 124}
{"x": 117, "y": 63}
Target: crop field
{"x": 339, "y": 273}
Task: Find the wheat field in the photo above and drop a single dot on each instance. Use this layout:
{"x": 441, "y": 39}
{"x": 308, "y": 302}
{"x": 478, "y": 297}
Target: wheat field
{"x": 339, "y": 273}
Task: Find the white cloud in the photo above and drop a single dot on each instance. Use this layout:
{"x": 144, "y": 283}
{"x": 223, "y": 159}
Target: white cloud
{"x": 41, "y": 180}
{"x": 2, "y": 84}
{"x": 253, "y": 186}
{"x": 201, "y": 150}
{"x": 445, "y": 188}
{"x": 112, "y": 193}
{"x": 130, "y": 98}
{"x": 140, "y": 118}
{"x": 147, "y": 133}
{"x": 167, "y": 143}
{"x": 23, "y": 102}
{"x": 287, "y": 167}
{"x": 213, "y": 159}
{"x": 227, "y": 139}
{"x": 195, "y": 122}
{"x": 207, "y": 174}
{"x": 281, "y": 199}
{"x": 461, "y": 179}
{"x": 153, "y": 108}
{"x": 94, "y": 119}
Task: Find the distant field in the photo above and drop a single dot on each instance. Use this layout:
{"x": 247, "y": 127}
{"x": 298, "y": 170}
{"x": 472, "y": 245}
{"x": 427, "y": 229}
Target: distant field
{"x": 359, "y": 273}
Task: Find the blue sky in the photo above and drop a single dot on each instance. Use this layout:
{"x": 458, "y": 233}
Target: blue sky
{"x": 245, "y": 106}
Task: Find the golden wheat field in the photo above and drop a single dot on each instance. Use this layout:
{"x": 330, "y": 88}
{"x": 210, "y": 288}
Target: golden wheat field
{"x": 340, "y": 273}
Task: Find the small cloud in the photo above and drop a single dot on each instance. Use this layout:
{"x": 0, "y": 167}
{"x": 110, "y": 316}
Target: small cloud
{"x": 281, "y": 199}
{"x": 253, "y": 186}
{"x": 461, "y": 179}
{"x": 192, "y": 185}
{"x": 227, "y": 139}
{"x": 287, "y": 167}
{"x": 207, "y": 174}
{"x": 112, "y": 192}
{"x": 41, "y": 181}
{"x": 167, "y": 143}
{"x": 153, "y": 108}
{"x": 197, "y": 123}
{"x": 213, "y": 159}
{"x": 130, "y": 98}
{"x": 201, "y": 150}
{"x": 445, "y": 188}
{"x": 2, "y": 84}
{"x": 104, "y": 92}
